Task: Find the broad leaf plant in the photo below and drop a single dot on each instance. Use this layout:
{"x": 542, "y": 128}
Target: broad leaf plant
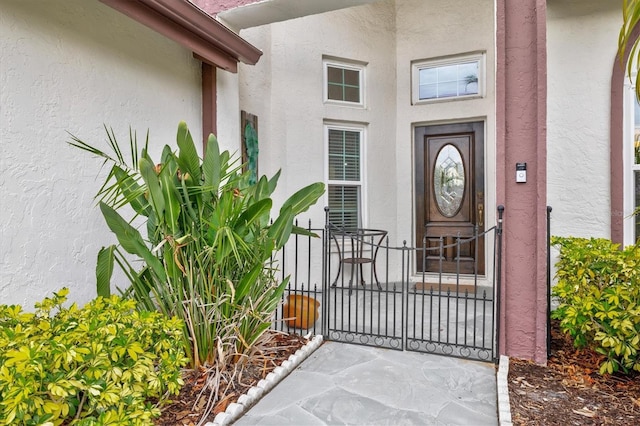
{"x": 207, "y": 244}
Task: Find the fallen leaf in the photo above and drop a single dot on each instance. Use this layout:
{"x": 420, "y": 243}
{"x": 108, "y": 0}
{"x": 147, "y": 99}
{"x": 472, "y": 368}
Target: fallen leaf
{"x": 223, "y": 403}
{"x": 585, "y": 412}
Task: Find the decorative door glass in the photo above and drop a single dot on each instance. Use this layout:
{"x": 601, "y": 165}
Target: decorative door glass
{"x": 448, "y": 180}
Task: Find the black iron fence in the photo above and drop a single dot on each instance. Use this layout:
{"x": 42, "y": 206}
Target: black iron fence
{"x": 353, "y": 286}
{"x": 302, "y": 260}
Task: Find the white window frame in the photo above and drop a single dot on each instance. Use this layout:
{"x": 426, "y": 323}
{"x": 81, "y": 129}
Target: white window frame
{"x": 417, "y": 66}
{"x": 363, "y": 214}
{"x": 354, "y": 66}
{"x": 629, "y": 168}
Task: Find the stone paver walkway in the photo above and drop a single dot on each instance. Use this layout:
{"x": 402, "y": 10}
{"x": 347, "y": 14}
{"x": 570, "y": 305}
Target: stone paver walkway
{"x": 343, "y": 384}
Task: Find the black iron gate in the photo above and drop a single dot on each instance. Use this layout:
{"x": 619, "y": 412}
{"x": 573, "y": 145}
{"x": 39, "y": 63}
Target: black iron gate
{"x": 369, "y": 293}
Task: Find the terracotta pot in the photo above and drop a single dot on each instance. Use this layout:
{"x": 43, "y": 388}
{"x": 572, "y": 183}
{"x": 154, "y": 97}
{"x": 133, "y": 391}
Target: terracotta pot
{"x": 300, "y": 311}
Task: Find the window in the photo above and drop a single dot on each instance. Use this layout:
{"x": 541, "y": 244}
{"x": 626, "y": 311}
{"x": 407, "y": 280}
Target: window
{"x": 632, "y": 168}
{"x": 458, "y": 77}
{"x": 344, "y": 175}
{"x": 343, "y": 83}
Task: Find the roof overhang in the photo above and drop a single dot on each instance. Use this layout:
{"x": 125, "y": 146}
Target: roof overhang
{"x": 263, "y": 12}
{"x": 181, "y": 21}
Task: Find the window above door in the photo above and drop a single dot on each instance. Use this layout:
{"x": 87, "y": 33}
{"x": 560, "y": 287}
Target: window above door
{"x": 454, "y": 77}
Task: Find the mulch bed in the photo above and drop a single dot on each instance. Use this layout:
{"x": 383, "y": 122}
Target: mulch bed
{"x": 570, "y": 391}
{"x": 209, "y": 391}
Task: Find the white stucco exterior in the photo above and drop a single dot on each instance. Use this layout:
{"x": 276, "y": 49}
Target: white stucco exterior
{"x": 582, "y": 39}
{"x": 426, "y": 31}
{"x": 72, "y": 66}
{"x": 285, "y": 91}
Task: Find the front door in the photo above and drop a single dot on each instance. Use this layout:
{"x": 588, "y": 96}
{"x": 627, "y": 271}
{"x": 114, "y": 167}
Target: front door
{"x": 449, "y": 164}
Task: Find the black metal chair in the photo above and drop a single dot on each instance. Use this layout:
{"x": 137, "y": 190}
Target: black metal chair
{"x": 357, "y": 255}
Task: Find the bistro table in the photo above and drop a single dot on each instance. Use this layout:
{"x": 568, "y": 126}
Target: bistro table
{"x": 357, "y": 254}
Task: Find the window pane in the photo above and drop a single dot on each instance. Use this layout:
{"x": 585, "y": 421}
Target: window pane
{"x": 344, "y": 204}
{"x": 469, "y": 69}
{"x": 334, "y": 75}
{"x": 447, "y": 73}
{"x": 428, "y": 75}
{"x": 447, "y": 89}
{"x": 343, "y": 84}
{"x": 351, "y": 77}
{"x": 344, "y": 155}
{"x": 466, "y": 87}
{"x": 335, "y": 92}
{"x": 429, "y": 91}
{"x": 449, "y": 80}
{"x": 352, "y": 94}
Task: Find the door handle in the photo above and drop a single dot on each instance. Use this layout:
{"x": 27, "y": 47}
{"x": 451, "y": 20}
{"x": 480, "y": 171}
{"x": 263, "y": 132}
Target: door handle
{"x": 480, "y": 215}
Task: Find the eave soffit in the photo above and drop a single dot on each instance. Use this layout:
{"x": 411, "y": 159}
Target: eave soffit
{"x": 181, "y": 21}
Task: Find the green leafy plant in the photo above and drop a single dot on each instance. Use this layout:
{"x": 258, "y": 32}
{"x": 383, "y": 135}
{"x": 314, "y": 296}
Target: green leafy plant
{"x": 210, "y": 240}
{"x": 100, "y": 364}
{"x": 626, "y": 38}
{"x": 599, "y": 292}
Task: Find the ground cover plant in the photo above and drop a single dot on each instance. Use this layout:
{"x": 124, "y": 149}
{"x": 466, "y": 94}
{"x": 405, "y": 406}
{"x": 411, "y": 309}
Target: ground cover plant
{"x": 599, "y": 292}
{"x": 591, "y": 377}
{"x": 569, "y": 390}
{"x": 104, "y": 363}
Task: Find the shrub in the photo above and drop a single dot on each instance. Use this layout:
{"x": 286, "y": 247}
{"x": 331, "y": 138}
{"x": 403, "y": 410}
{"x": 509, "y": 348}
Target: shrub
{"x": 207, "y": 255}
{"x": 99, "y": 364}
{"x": 599, "y": 292}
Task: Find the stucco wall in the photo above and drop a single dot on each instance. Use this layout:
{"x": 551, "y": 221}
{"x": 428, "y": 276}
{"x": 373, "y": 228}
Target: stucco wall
{"x": 286, "y": 92}
{"x": 72, "y": 65}
{"x": 228, "y": 111}
{"x": 433, "y": 29}
{"x": 582, "y": 43}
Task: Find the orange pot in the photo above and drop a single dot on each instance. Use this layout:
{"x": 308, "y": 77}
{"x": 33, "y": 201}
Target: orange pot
{"x": 300, "y": 311}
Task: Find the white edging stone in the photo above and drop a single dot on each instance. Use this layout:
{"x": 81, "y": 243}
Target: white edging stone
{"x": 504, "y": 407}
{"x": 253, "y": 395}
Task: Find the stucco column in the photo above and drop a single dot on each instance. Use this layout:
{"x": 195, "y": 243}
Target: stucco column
{"x": 616, "y": 132}
{"x": 521, "y": 99}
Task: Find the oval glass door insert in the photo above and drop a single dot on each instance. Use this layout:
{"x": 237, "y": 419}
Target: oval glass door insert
{"x": 448, "y": 180}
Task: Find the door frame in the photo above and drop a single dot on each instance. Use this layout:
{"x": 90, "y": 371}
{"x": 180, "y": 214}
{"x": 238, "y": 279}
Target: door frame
{"x": 420, "y": 130}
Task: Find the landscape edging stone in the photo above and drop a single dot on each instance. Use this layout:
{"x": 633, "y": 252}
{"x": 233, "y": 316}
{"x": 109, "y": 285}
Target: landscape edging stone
{"x": 502, "y": 383}
{"x": 253, "y": 395}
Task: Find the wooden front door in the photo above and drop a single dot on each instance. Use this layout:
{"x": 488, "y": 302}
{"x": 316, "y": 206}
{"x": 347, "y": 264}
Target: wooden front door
{"x": 449, "y": 164}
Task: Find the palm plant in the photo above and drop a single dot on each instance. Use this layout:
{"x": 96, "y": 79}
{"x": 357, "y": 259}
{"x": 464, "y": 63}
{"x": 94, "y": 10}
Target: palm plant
{"x": 207, "y": 256}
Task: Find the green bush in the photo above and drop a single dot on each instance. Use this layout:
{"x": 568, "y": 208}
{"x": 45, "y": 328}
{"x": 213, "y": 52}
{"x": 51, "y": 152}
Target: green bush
{"x": 100, "y": 364}
{"x": 599, "y": 292}
{"x": 207, "y": 257}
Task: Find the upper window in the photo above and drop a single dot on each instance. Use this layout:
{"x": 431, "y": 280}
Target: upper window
{"x": 446, "y": 78}
{"x": 344, "y": 175}
{"x": 344, "y": 83}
